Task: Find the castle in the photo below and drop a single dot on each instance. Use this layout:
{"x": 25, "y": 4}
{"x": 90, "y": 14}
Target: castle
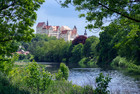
{"x": 59, "y": 32}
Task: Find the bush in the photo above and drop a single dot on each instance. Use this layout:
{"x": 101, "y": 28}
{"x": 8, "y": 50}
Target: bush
{"x": 31, "y": 78}
{"x": 129, "y": 66}
{"x": 92, "y": 62}
{"x": 83, "y": 62}
{"x": 25, "y": 58}
{"x": 102, "y": 84}
{"x": 87, "y": 62}
{"x": 63, "y": 72}
{"x": 87, "y": 90}
{"x": 6, "y": 87}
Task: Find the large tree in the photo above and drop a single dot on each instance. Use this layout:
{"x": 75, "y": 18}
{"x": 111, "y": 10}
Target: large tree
{"x": 102, "y": 10}
{"x": 16, "y": 19}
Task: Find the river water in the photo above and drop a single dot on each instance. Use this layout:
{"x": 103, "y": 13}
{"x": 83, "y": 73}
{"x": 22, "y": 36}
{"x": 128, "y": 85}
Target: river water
{"x": 120, "y": 83}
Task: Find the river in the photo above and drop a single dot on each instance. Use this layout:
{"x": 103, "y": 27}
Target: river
{"x": 120, "y": 83}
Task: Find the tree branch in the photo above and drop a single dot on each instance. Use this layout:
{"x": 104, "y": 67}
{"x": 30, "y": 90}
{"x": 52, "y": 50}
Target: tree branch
{"x": 136, "y": 20}
{"x": 6, "y": 6}
{"x": 6, "y": 40}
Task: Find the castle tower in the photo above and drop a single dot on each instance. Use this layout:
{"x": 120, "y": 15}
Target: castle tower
{"x": 75, "y": 27}
{"x": 47, "y": 23}
{"x": 85, "y": 33}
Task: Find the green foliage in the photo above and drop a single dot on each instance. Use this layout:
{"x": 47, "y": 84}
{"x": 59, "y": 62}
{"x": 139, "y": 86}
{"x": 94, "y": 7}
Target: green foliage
{"x": 99, "y": 10}
{"x": 123, "y": 63}
{"x": 16, "y": 21}
{"x": 31, "y": 78}
{"x": 83, "y": 62}
{"x": 92, "y": 62}
{"x": 46, "y": 80}
{"x": 77, "y": 54}
{"x": 89, "y": 49}
{"x": 7, "y": 65}
{"x": 128, "y": 44}
{"x": 47, "y": 49}
{"x": 63, "y": 72}
{"x": 64, "y": 87}
{"x": 105, "y": 48}
{"x": 102, "y": 84}
{"x": 7, "y": 88}
{"x": 87, "y": 90}
{"x": 121, "y": 38}
{"x": 25, "y": 58}
{"x": 59, "y": 75}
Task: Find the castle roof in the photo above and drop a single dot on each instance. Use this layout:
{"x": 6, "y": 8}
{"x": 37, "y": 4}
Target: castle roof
{"x": 64, "y": 31}
{"x": 65, "y": 28}
{"x": 46, "y": 27}
{"x": 40, "y": 24}
{"x": 74, "y": 32}
{"x": 55, "y": 28}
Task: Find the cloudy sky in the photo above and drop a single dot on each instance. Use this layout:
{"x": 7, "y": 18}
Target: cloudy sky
{"x": 58, "y": 16}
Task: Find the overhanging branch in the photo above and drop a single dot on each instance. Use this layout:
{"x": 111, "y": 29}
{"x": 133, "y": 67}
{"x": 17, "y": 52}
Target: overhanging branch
{"x": 7, "y": 6}
{"x": 136, "y": 20}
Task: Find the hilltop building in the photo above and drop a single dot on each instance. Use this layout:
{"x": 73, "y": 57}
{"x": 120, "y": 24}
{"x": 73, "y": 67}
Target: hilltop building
{"x": 59, "y": 32}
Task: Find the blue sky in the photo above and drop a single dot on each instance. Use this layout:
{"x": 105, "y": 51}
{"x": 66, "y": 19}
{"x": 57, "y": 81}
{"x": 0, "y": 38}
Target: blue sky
{"x": 58, "y": 16}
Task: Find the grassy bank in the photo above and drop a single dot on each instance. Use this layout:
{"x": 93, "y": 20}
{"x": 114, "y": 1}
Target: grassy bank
{"x": 129, "y": 67}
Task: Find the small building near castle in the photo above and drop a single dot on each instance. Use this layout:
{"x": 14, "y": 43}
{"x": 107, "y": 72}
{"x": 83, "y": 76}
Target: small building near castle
{"x": 59, "y": 32}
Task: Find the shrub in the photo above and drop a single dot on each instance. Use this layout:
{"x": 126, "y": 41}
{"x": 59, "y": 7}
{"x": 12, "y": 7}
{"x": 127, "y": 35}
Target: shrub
{"x": 92, "y": 62}
{"x": 6, "y": 87}
{"x": 102, "y": 84}
{"x": 83, "y": 62}
{"x": 119, "y": 62}
{"x": 87, "y": 90}
{"x": 130, "y": 67}
{"x": 63, "y": 72}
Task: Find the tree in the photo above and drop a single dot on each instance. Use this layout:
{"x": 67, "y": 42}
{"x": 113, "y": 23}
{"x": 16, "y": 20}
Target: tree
{"x": 79, "y": 39}
{"x": 77, "y": 54}
{"x": 99, "y": 10}
{"x": 119, "y": 38}
{"x": 89, "y": 46}
{"x": 105, "y": 47}
{"x": 127, "y": 39}
{"x": 16, "y": 19}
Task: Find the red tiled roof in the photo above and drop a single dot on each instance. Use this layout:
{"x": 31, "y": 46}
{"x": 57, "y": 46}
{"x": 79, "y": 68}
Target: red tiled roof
{"x": 74, "y": 32}
{"x": 64, "y": 31}
{"x": 55, "y": 28}
{"x": 46, "y": 27}
{"x": 22, "y": 52}
{"x": 40, "y": 24}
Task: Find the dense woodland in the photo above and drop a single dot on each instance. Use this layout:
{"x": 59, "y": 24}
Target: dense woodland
{"x": 118, "y": 46}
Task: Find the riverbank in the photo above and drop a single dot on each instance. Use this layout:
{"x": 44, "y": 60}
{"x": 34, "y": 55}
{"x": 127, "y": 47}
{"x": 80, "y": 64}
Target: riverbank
{"x": 128, "y": 67}
{"x": 81, "y": 77}
{"x": 32, "y": 78}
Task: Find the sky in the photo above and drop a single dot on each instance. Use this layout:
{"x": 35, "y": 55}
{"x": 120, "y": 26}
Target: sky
{"x": 58, "y": 16}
